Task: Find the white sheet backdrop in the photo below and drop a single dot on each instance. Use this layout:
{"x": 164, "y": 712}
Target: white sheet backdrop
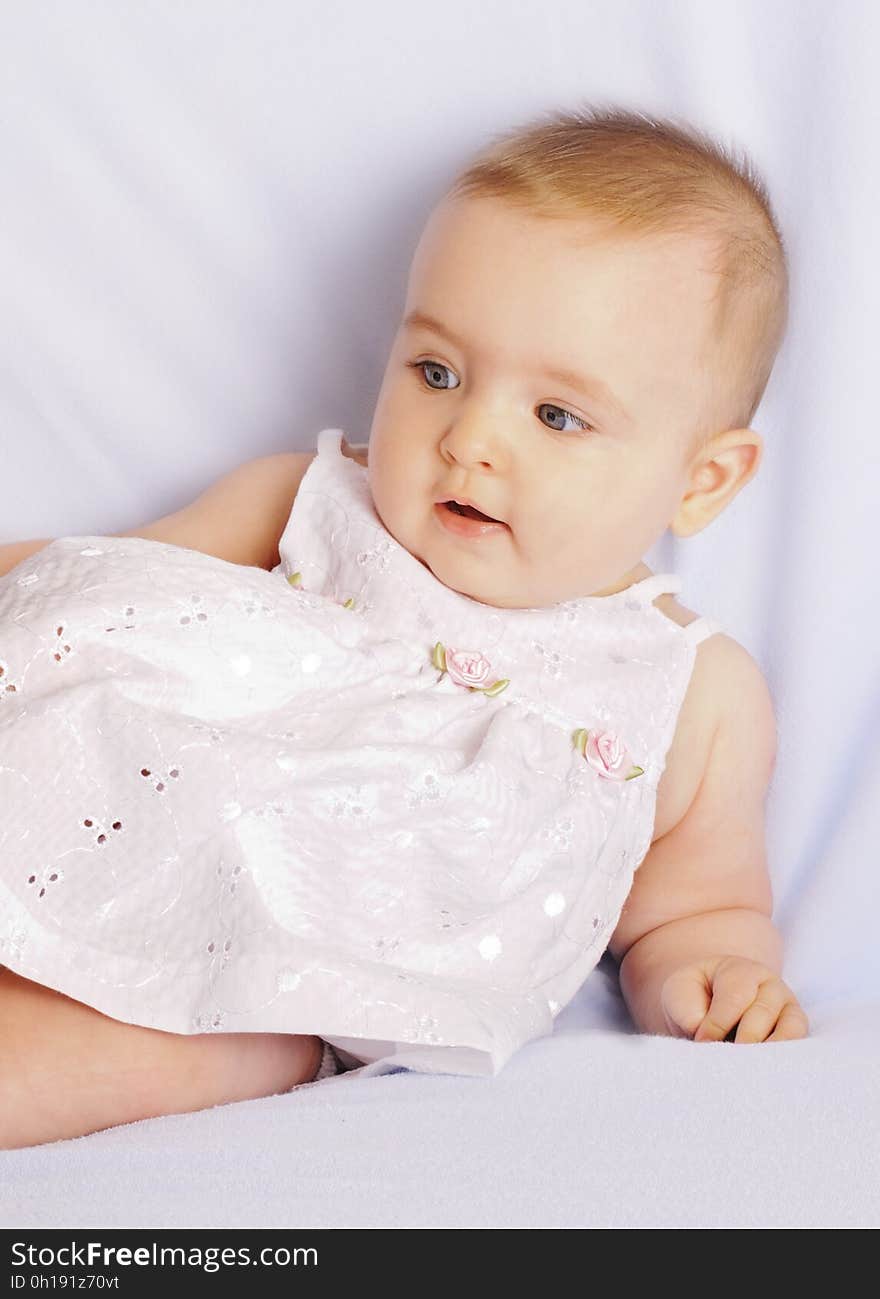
{"x": 206, "y": 217}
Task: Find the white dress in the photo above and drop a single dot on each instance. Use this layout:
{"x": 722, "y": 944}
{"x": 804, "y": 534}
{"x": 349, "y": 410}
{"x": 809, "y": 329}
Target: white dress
{"x": 292, "y": 801}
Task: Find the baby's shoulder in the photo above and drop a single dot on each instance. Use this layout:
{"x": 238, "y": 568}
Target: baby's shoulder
{"x": 714, "y": 655}
{"x": 726, "y": 677}
{"x": 727, "y": 695}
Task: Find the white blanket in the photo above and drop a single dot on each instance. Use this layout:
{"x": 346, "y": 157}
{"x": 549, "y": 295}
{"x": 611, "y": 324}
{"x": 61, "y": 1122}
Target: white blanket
{"x": 595, "y": 1127}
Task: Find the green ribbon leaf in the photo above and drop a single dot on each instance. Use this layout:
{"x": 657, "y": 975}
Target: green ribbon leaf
{"x": 495, "y": 688}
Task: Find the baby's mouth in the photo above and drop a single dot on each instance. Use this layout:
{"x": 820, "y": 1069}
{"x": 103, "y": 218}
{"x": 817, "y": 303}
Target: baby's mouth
{"x": 469, "y": 512}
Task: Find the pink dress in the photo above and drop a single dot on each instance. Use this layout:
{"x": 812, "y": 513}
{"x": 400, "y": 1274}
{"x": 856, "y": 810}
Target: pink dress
{"x": 338, "y": 798}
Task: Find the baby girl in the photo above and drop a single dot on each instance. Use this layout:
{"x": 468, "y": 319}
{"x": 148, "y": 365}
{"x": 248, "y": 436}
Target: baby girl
{"x": 363, "y": 760}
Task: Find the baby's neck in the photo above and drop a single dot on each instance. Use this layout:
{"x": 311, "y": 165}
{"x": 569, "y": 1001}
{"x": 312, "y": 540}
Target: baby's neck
{"x": 638, "y": 574}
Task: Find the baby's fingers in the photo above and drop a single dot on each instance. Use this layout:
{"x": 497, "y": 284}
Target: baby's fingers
{"x": 734, "y": 989}
{"x": 761, "y": 1017}
{"x": 685, "y": 999}
{"x": 792, "y": 1023}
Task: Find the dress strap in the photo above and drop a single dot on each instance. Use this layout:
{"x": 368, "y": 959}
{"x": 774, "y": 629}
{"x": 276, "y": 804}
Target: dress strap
{"x": 657, "y": 584}
{"x": 697, "y": 630}
{"x": 330, "y": 441}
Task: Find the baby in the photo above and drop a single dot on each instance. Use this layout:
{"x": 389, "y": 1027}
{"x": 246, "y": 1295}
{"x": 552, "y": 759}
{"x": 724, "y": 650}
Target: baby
{"x": 507, "y": 747}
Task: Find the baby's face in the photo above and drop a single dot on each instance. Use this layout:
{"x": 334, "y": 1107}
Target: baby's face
{"x": 476, "y": 412}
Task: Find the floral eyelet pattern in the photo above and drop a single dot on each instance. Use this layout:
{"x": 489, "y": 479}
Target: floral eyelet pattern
{"x": 59, "y": 631}
{"x": 6, "y": 686}
{"x": 184, "y": 907}
{"x": 91, "y": 824}
{"x": 160, "y": 785}
{"x": 48, "y": 876}
{"x": 468, "y": 668}
{"x": 606, "y": 753}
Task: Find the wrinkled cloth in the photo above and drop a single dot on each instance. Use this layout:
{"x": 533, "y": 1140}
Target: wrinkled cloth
{"x": 240, "y": 800}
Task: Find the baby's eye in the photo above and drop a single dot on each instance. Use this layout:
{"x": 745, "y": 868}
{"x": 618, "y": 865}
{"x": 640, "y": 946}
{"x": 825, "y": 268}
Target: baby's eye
{"x": 437, "y": 369}
{"x": 560, "y": 411}
{"x": 431, "y": 367}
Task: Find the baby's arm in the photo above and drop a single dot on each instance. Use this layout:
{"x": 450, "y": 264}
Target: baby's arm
{"x": 239, "y": 518}
{"x": 698, "y": 949}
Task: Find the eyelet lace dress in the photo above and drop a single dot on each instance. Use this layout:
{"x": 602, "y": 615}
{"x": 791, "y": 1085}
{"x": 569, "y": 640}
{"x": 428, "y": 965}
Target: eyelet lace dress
{"x": 336, "y": 798}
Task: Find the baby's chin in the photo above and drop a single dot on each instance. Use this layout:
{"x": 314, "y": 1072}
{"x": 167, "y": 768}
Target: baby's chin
{"x": 472, "y": 591}
{"x": 451, "y": 574}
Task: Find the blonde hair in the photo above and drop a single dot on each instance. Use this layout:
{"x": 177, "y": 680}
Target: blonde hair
{"x": 645, "y": 175}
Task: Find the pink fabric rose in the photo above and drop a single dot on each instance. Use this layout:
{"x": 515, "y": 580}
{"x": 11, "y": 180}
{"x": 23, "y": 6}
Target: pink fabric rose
{"x": 607, "y": 754}
{"x": 467, "y": 667}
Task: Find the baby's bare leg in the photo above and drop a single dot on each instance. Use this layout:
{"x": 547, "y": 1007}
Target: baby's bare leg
{"x": 67, "y": 1070}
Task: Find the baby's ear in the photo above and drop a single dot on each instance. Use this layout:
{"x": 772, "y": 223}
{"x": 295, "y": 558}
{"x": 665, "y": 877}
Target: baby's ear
{"x": 717, "y": 473}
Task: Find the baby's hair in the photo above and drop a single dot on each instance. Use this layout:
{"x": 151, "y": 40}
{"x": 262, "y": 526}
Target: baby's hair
{"x": 642, "y": 175}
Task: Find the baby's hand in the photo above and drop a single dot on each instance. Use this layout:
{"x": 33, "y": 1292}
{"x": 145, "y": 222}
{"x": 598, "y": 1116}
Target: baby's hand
{"x": 707, "y": 998}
